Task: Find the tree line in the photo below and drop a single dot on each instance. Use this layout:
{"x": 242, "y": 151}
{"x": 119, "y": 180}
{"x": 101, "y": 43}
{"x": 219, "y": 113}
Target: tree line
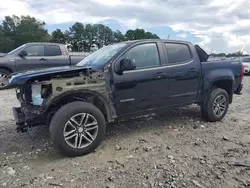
{"x": 15, "y": 31}
{"x": 236, "y": 54}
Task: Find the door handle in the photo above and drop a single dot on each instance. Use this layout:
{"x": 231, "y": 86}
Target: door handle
{"x": 42, "y": 59}
{"x": 192, "y": 70}
{"x": 159, "y": 75}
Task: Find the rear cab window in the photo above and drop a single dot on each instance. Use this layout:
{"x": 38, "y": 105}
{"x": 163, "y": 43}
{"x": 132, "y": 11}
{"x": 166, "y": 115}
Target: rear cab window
{"x": 53, "y": 50}
{"x": 178, "y": 53}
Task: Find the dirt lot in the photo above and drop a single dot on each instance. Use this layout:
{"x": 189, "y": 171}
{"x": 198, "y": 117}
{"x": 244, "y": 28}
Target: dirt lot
{"x": 178, "y": 149}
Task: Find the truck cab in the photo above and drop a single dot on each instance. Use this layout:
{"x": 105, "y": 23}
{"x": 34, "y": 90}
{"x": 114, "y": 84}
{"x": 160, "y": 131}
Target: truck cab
{"x": 173, "y": 79}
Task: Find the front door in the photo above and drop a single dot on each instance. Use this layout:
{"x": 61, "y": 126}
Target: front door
{"x": 145, "y": 87}
{"x": 35, "y": 58}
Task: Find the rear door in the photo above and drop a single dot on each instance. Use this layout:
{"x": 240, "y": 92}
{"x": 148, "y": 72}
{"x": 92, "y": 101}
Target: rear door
{"x": 34, "y": 58}
{"x": 184, "y": 72}
{"x": 55, "y": 57}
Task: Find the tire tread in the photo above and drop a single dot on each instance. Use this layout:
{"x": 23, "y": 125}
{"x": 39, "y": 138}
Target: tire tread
{"x": 59, "y": 118}
{"x": 207, "y": 111}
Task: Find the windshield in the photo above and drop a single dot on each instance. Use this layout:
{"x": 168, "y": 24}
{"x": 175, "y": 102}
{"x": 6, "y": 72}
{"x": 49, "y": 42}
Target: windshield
{"x": 246, "y": 60}
{"x": 15, "y": 50}
{"x": 100, "y": 57}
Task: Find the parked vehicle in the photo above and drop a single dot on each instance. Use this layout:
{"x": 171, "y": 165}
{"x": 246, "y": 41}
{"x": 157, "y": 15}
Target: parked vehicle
{"x": 34, "y": 56}
{"x": 121, "y": 81}
{"x": 246, "y": 63}
{"x": 2, "y": 54}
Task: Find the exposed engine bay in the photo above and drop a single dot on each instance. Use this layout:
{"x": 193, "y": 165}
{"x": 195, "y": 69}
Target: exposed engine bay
{"x": 41, "y": 97}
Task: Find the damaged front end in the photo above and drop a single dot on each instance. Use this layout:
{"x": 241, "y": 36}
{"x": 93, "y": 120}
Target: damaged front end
{"x": 42, "y": 94}
{"x": 29, "y": 113}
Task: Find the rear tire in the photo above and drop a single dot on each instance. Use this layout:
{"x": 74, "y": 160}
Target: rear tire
{"x": 4, "y": 73}
{"x": 216, "y": 106}
{"x": 70, "y": 122}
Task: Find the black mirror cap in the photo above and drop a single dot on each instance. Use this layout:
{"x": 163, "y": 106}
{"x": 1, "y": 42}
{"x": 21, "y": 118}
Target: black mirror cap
{"x": 23, "y": 53}
{"x": 125, "y": 65}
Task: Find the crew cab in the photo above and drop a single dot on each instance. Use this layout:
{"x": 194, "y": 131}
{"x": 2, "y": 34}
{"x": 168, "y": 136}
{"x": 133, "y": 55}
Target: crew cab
{"x": 34, "y": 56}
{"x": 121, "y": 81}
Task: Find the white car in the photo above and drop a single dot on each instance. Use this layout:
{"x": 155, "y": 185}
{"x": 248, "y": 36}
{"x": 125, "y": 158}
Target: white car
{"x": 246, "y": 64}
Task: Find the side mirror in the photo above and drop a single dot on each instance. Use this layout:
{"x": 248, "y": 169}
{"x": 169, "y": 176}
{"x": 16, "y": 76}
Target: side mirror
{"x": 125, "y": 65}
{"x": 23, "y": 54}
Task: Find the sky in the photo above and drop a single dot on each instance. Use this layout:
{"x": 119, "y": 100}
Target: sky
{"x": 216, "y": 25}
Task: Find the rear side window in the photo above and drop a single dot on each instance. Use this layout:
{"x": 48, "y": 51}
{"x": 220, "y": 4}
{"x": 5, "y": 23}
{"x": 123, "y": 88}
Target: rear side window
{"x": 178, "y": 53}
{"x": 53, "y": 50}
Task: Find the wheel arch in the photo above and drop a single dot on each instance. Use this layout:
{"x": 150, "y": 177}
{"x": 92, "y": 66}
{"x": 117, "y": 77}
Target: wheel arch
{"x": 226, "y": 84}
{"x": 220, "y": 78}
{"x": 6, "y": 68}
{"x": 92, "y": 97}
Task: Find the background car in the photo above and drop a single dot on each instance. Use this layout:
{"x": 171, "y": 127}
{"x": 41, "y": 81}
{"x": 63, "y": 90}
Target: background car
{"x": 35, "y": 55}
{"x": 246, "y": 64}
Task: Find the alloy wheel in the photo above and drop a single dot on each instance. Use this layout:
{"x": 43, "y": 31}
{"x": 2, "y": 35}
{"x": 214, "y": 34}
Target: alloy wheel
{"x": 80, "y": 130}
{"x": 3, "y": 79}
{"x": 219, "y": 105}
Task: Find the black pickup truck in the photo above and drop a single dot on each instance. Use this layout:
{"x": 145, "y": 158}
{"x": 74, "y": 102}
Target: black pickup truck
{"x": 34, "y": 55}
{"x": 120, "y": 81}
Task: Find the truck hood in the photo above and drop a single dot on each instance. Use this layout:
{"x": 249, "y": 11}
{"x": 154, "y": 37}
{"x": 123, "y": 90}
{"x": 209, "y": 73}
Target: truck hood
{"x": 20, "y": 78}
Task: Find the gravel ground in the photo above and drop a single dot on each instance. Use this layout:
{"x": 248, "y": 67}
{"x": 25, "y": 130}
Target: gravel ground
{"x": 177, "y": 149}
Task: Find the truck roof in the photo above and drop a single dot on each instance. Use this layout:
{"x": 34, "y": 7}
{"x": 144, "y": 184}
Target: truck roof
{"x": 45, "y": 43}
{"x": 127, "y": 42}
{"x": 156, "y": 40}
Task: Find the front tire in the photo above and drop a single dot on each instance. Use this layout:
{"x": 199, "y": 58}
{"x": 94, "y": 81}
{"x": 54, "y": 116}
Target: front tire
{"x": 3, "y": 79}
{"x": 216, "y": 106}
{"x": 77, "y": 129}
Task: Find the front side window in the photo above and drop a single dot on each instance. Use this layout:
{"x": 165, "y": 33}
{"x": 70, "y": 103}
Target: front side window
{"x": 144, "y": 55}
{"x": 178, "y": 53}
{"x": 36, "y": 50}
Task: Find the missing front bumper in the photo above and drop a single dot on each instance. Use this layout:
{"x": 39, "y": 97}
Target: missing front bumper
{"x": 18, "y": 115}
{"x": 26, "y": 118}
